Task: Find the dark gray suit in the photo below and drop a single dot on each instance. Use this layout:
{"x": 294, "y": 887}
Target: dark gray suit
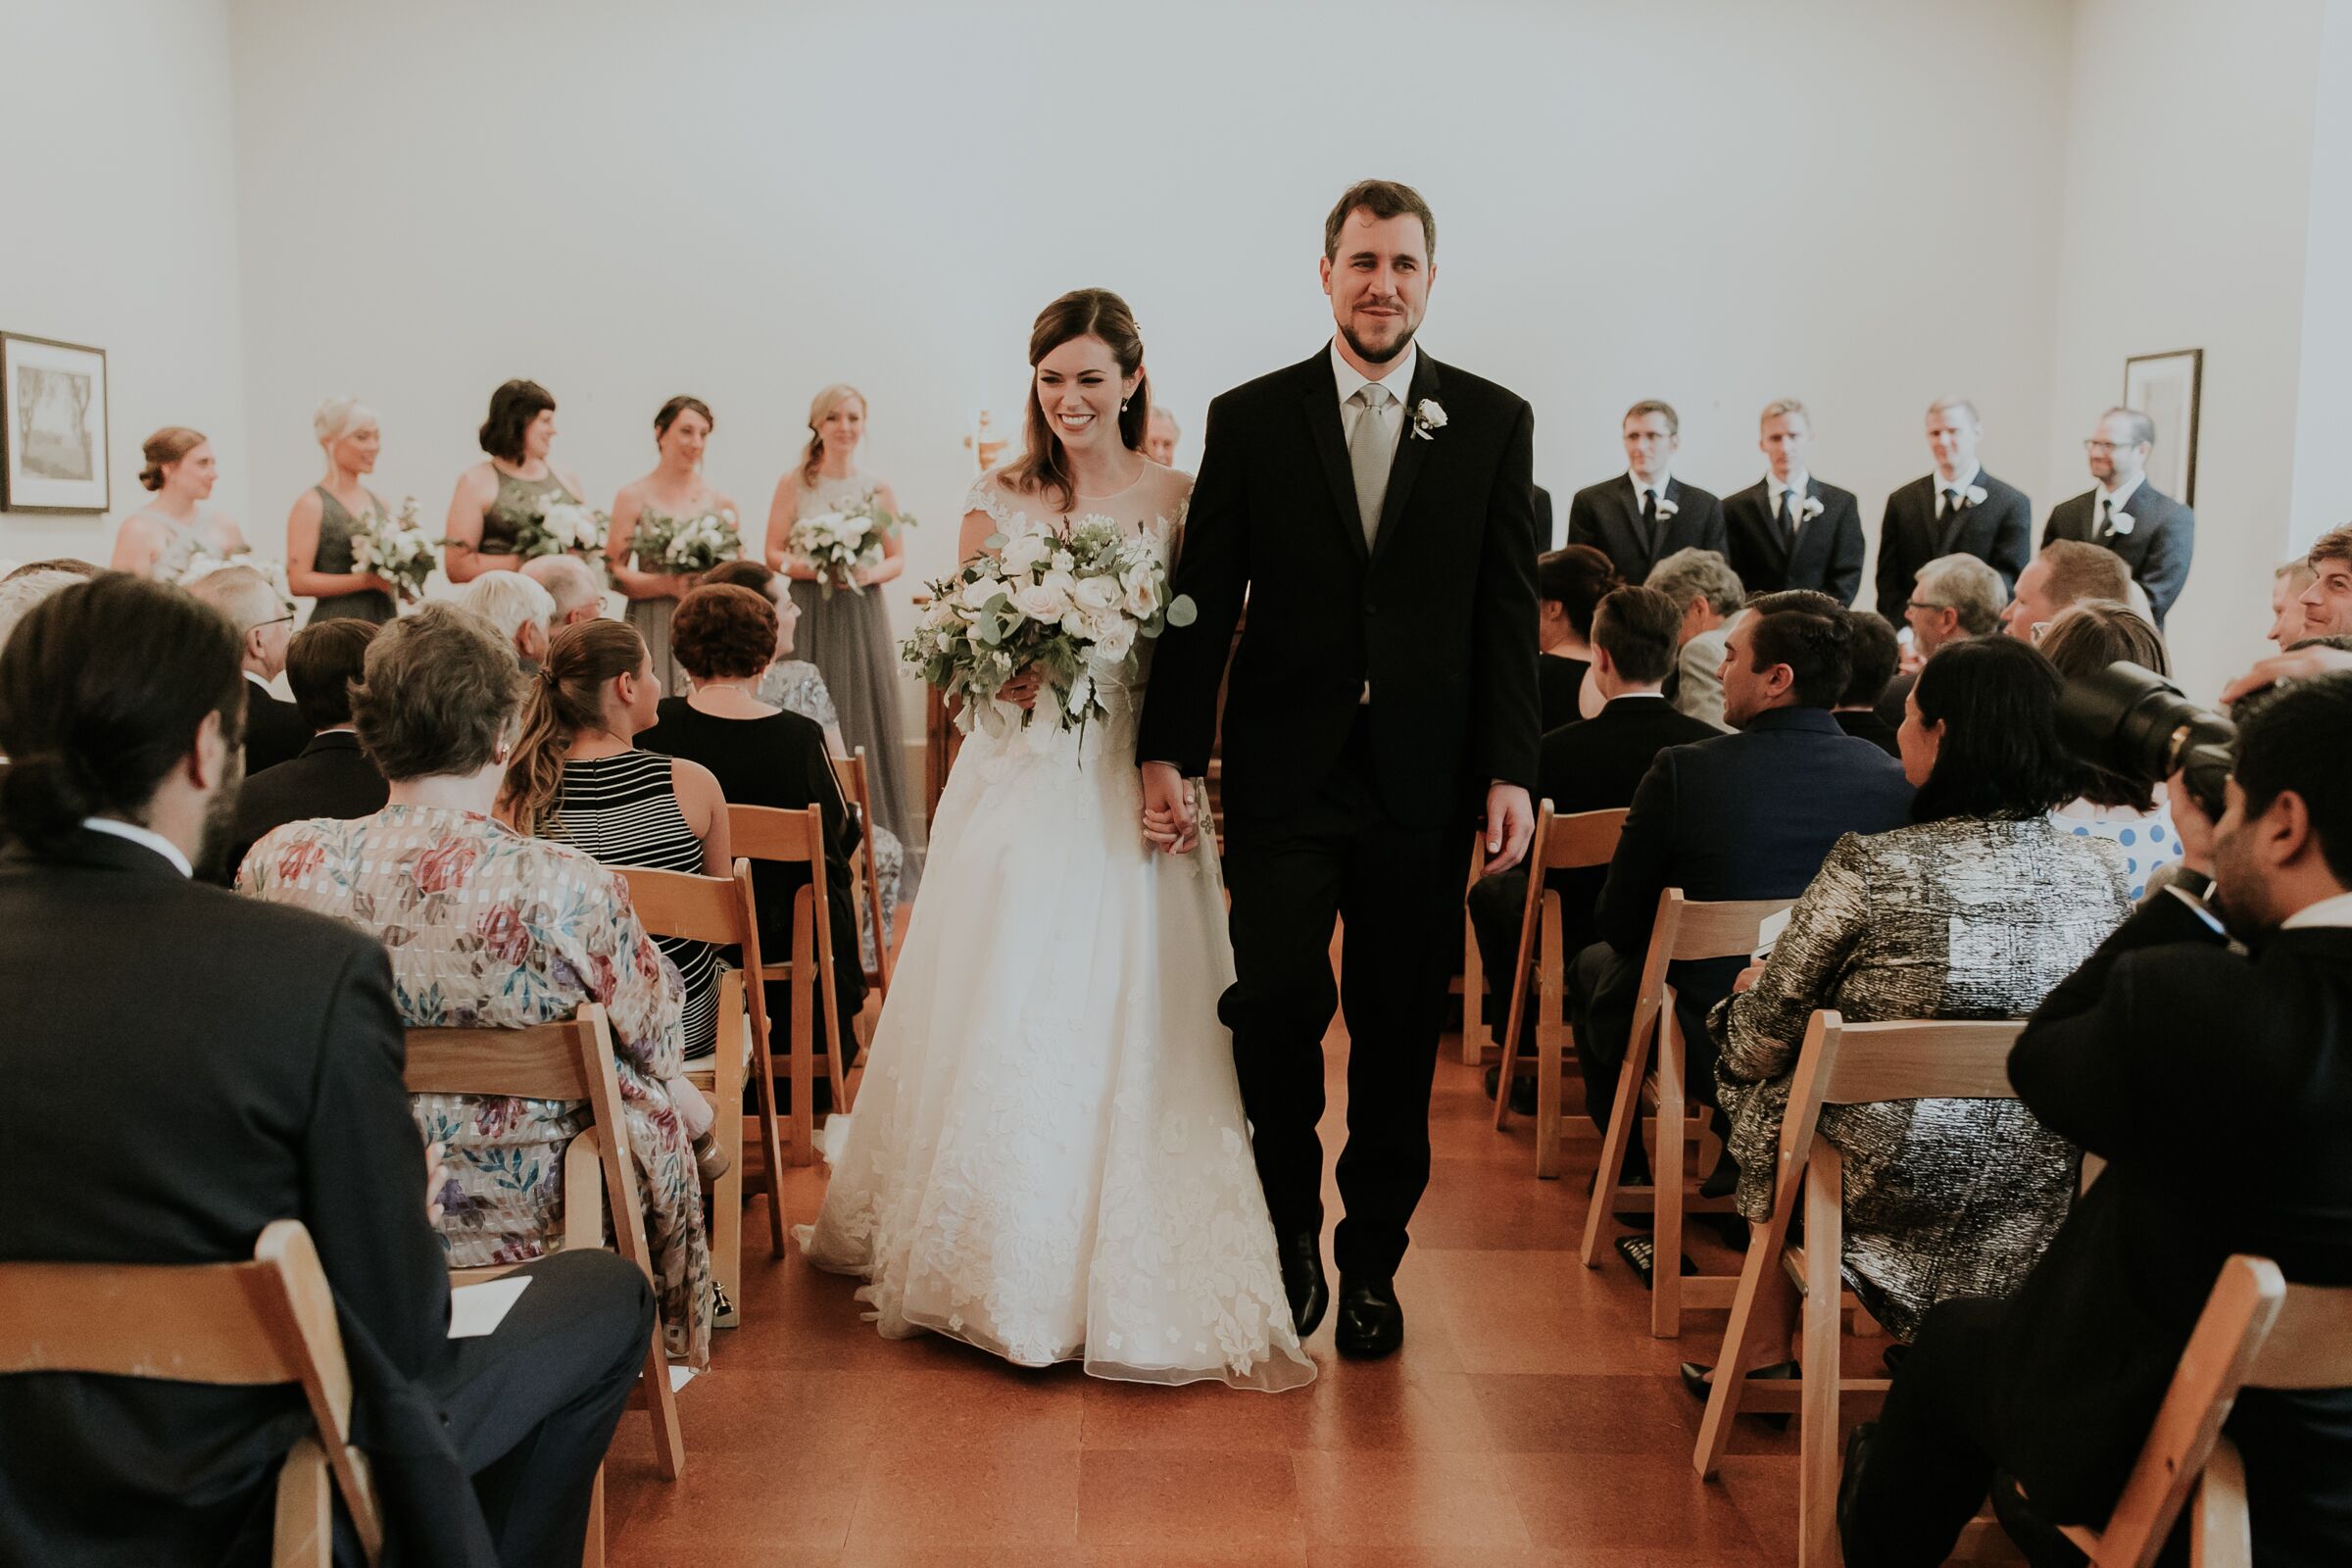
{"x": 2156, "y": 546}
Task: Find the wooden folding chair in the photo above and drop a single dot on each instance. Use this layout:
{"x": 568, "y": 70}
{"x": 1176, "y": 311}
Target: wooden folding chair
{"x": 719, "y": 909}
{"x": 1685, "y": 932}
{"x": 1840, "y": 1064}
{"x": 865, "y": 876}
{"x": 569, "y": 1060}
{"x": 1578, "y": 840}
{"x": 267, "y": 1321}
{"x": 798, "y": 837}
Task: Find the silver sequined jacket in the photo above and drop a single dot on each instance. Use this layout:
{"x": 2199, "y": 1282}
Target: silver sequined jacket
{"x": 1962, "y": 918}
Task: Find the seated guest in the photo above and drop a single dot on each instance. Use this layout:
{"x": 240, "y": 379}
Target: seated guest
{"x": 27, "y": 585}
{"x": 251, "y": 1074}
{"x": 1956, "y": 597}
{"x": 490, "y": 929}
{"x": 2288, "y": 587}
{"x": 1957, "y": 510}
{"x": 523, "y": 611}
{"x": 275, "y": 732}
{"x": 2067, "y": 573}
{"x": 1876, "y": 653}
{"x": 2129, "y": 813}
{"x": 2213, "y": 1082}
{"x": 1569, "y": 584}
{"x": 332, "y": 777}
{"x": 724, "y": 637}
{"x": 1747, "y": 815}
{"x": 1788, "y": 529}
{"x": 2154, "y": 535}
{"x": 578, "y": 777}
{"x": 799, "y": 686}
{"x": 1591, "y": 766}
{"x": 1974, "y": 911}
{"x": 1644, "y": 515}
{"x": 1703, "y": 583}
{"x": 2327, "y": 601}
{"x": 575, "y": 587}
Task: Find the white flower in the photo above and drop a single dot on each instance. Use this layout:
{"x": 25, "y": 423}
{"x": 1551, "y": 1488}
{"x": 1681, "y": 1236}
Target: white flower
{"x": 1976, "y": 494}
{"x": 976, "y": 594}
{"x": 1114, "y": 638}
{"x": 1063, "y": 560}
{"x": 1143, "y": 593}
{"x": 1810, "y": 510}
{"x": 1049, "y": 600}
{"x": 1428, "y": 415}
{"x": 1666, "y": 508}
{"x": 1023, "y": 551}
{"x": 2119, "y": 525}
{"x": 1097, "y": 595}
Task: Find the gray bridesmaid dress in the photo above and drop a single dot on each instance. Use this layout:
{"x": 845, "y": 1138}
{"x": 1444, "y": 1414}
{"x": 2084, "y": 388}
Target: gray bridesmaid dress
{"x": 336, "y": 525}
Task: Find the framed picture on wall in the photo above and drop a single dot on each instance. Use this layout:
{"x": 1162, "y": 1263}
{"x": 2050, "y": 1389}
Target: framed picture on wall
{"x": 2164, "y": 388}
{"x": 52, "y": 451}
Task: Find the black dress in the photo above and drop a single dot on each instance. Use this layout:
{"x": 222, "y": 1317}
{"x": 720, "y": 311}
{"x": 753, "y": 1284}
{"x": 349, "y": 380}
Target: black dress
{"x": 779, "y": 760}
{"x": 1559, "y": 680}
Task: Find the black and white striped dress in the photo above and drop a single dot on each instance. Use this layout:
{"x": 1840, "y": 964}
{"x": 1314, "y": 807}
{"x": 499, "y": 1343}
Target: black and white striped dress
{"x": 623, "y": 810}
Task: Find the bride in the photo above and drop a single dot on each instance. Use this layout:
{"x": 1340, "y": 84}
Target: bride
{"x": 1049, "y": 1159}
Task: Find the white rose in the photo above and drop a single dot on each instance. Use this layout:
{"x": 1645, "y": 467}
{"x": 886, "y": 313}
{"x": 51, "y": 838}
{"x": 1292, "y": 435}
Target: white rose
{"x": 1115, "y": 638}
{"x": 1023, "y": 551}
{"x": 1076, "y": 622}
{"x": 1143, "y": 599}
{"x": 976, "y": 594}
{"x": 1098, "y": 595}
{"x": 1042, "y": 601}
{"x": 1064, "y": 562}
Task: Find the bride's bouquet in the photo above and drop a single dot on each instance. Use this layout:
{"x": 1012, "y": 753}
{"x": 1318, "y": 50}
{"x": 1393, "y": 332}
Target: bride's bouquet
{"x": 1046, "y": 601}
{"x": 396, "y": 549}
{"x": 565, "y": 526}
{"x": 838, "y": 544}
{"x": 686, "y": 545}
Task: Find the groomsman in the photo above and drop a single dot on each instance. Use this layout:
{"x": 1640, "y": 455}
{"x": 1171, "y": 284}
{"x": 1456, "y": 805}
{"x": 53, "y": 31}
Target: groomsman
{"x": 1646, "y": 514}
{"x": 1788, "y": 529}
{"x": 2154, "y": 534}
{"x": 1958, "y": 510}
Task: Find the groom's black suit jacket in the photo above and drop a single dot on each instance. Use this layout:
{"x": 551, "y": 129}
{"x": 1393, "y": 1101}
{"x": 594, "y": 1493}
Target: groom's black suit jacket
{"x": 1609, "y": 518}
{"x": 1438, "y": 615}
{"x": 1828, "y": 552}
{"x": 1999, "y": 533}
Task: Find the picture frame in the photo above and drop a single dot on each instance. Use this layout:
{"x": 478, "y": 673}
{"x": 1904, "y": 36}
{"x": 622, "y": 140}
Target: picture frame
{"x": 2166, "y": 387}
{"x": 53, "y": 441}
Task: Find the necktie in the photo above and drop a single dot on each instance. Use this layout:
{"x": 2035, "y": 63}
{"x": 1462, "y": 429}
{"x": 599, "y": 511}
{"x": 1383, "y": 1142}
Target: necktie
{"x": 1369, "y": 452}
{"x": 1789, "y": 516}
{"x": 1951, "y": 504}
{"x": 1649, "y": 519}
{"x": 2106, "y": 516}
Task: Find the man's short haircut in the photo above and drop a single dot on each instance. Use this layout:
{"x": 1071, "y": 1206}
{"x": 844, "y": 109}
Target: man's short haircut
{"x": 242, "y": 593}
{"x": 1641, "y": 628}
{"x": 2080, "y": 571}
{"x": 506, "y": 599}
{"x": 2297, "y": 739}
{"x": 2333, "y": 545}
{"x": 1384, "y": 199}
{"x": 1793, "y": 629}
{"x": 1575, "y": 577}
{"x": 1160, "y": 411}
{"x": 568, "y": 580}
{"x": 1781, "y": 406}
{"x": 438, "y": 694}
{"x": 321, "y": 662}
{"x": 1659, "y": 405}
{"x": 2142, "y": 428}
{"x": 27, "y": 587}
{"x": 102, "y": 687}
{"x": 1695, "y": 574}
{"x": 1968, "y": 585}
{"x": 1956, "y": 405}
{"x": 722, "y": 632}
{"x": 72, "y": 565}
{"x": 1875, "y": 654}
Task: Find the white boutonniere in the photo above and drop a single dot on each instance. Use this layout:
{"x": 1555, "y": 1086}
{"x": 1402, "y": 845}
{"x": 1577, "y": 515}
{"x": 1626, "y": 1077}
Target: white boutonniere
{"x": 1666, "y": 508}
{"x": 1810, "y": 510}
{"x": 2119, "y": 525}
{"x": 1428, "y": 417}
{"x": 1976, "y": 494}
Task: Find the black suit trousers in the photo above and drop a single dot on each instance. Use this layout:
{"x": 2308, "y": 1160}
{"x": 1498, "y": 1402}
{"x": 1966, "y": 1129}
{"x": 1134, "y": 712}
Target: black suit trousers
{"x": 1397, "y": 891}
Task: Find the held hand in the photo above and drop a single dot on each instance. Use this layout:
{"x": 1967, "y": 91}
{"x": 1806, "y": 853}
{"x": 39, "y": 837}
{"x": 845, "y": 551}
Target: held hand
{"x": 436, "y": 1176}
{"x": 2194, "y": 825}
{"x": 1510, "y": 825}
{"x": 1169, "y": 823}
{"x": 2301, "y": 664}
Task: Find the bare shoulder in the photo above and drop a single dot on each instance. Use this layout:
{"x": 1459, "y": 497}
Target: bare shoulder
{"x": 480, "y": 480}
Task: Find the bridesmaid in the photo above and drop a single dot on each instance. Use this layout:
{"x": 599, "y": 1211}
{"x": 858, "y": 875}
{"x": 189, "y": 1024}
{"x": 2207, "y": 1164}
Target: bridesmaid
{"x": 847, "y": 635}
{"x": 320, "y": 563}
{"x": 495, "y": 499}
{"x": 674, "y": 490}
{"x": 163, "y": 539}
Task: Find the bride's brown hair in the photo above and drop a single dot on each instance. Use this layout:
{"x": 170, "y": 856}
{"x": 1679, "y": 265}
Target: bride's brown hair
{"x": 1095, "y": 312}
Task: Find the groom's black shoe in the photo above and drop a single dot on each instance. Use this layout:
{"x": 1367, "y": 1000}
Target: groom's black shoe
{"x": 1371, "y": 1323}
{"x": 1302, "y": 1256}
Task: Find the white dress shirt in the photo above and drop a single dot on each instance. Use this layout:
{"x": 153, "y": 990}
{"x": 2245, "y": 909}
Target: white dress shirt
{"x": 1774, "y": 489}
{"x": 2115, "y": 500}
{"x": 1640, "y": 485}
{"x": 2328, "y": 911}
{"x": 1944, "y": 487}
{"x": 146, "y": 836}
{"x": 1397, "y": 379}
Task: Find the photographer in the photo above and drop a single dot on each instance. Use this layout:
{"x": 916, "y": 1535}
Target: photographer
{"x": 2216, "y": 1084}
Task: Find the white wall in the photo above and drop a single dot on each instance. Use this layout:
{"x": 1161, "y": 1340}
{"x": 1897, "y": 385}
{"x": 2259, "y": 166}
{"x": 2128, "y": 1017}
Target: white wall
{"x": 120, "y": 229}
{"x": 2187, "y": 190}
{"x": 1713, "y": 202}
{"x": 2323, "y": 497}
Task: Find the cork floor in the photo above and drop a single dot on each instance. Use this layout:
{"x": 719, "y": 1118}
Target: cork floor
{"x": 1529, "y": 1419}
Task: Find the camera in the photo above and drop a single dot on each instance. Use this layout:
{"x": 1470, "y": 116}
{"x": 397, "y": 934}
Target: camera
{"x": 2132, "y": 722}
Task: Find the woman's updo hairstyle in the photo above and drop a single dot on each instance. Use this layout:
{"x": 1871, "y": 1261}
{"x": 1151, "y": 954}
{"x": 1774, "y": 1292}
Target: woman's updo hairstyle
{"x": 164, "y": 447}
{"x": 677, "y": 406}
{"x": 566, "y": 699}
{"x": 1095, "y": 312}
{"x": 512, "y": 408}
{"x": 338, "y": 417}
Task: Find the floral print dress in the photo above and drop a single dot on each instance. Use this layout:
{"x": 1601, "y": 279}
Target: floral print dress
{"x": 489, "y": 929}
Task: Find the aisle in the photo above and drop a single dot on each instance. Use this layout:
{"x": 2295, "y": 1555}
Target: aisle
{"x": 1530, "y": 1419}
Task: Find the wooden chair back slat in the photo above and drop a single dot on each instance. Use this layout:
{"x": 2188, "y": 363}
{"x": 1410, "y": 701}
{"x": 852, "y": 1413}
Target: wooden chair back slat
{"x": 1927, "y": 1059}
{"x": 1579, "y": 840}
{"x": 540, "y": 1062}
{"x": 770, "y": 833}
{"x": 684, "y": 905}
{"x": 2309, "y": 1342}
{"x": 1730, "y": 929}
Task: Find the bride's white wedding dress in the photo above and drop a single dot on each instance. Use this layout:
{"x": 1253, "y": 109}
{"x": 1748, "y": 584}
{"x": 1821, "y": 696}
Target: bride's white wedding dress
{"x": 1049, "y": 1159}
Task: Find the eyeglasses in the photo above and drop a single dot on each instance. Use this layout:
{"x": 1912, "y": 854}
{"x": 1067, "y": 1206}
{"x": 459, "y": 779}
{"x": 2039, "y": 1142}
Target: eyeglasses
{"x": 2095, "y": 447}
{"x": 279, "y": 621}
{"x": 1922, "y": 603}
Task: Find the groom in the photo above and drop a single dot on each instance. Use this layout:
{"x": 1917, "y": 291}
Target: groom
{"x": 1376, "y": 511}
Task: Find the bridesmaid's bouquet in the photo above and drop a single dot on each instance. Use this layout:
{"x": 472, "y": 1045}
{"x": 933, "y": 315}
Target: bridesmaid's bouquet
{"x": 396, "y": 549}
{"x": 686, "y": 545}
{"x": 567, "y": 527}
{"x": 839, "y": 543}
{"x": 1061, "y": 605}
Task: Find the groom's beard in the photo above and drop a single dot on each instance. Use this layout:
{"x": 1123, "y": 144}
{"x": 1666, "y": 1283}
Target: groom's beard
{"x": 220, "y": 821}
{"x": 1378, "y": 356}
